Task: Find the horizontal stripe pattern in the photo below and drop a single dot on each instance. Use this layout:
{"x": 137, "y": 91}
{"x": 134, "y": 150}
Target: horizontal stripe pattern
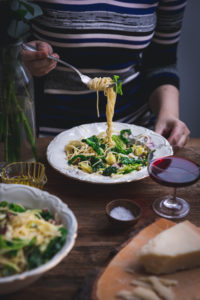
{"x": 89, "y": 5}
{"x": 136, "y": 39}
{"x": 121, "y": 3}
{"x": 169, "y": 21}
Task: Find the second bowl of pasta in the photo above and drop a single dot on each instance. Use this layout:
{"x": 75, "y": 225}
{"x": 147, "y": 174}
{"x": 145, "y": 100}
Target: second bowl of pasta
{"x": 37, "y": 231}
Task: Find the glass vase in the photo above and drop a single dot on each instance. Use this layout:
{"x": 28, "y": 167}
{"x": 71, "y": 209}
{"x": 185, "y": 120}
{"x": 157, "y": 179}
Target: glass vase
{"x": 17, "y": 109}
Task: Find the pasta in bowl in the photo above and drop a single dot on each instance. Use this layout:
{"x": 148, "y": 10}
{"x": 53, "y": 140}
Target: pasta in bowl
{"x": 142, "y": 139}
{"x": 37, "y": 231}
{"x": 114, "y": 157}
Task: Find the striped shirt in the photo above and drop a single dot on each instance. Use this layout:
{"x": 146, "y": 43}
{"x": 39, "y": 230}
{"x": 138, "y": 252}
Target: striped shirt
{"x": 135, "y": 39}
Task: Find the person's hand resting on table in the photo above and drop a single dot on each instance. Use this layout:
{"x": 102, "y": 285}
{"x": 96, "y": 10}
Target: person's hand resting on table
{"x": 164, "y": 103}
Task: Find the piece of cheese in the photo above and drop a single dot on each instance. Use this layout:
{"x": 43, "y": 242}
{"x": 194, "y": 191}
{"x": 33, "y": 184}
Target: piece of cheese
{"x": 176, "y": 248}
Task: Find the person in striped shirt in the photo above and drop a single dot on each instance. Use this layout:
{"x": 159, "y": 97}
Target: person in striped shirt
{"x": 135, "y": 39}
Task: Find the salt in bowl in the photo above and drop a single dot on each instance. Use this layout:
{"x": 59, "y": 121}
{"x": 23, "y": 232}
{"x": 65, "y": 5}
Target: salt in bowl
{"x": 123, "y": 212}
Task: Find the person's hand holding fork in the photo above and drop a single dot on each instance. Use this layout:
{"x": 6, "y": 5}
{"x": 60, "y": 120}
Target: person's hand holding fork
{"x": 37, "y": 62}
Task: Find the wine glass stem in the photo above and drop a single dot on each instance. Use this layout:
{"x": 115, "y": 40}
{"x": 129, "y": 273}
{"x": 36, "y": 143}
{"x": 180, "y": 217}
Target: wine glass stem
{"x": 171, "y": 201}
{"x": 174, "y": 196}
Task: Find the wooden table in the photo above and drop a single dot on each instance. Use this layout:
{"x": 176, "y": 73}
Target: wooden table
{"x": 97, "y": 241}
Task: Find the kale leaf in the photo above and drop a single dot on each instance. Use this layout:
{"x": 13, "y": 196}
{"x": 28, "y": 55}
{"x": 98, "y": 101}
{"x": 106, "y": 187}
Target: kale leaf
{"x": 46, "y": 215}
{"x": 94, "y": 143}
{"x": 131, "y": 161}
{"x": 34, "y": 257}
{"x": 16, "y": 208}
{"x": 124, "y": 134}
{"x": 55, "y": 244}
{"x": 117, "y": 85}
{"x": 110, "y": 170}
{"x": 3, "y": 204}
{"x": 96, "y": 163}
{"x": 120, "y": 145}
{"x": 77, "y": 158}
{"x": 15, "y": 244}
{"x": 8, "y": 270}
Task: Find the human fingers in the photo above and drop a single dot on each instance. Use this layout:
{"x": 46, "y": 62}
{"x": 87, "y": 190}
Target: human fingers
{"x": 38, "y": 62}
{"x": 41, "y": 53}
{"x": 46, "y": 48}
{"x": 41, "y": 68}
{"x": 179, "y": 135}
{"x": 43, "y": 50}
{"x": 43, "y": 46}
{"x": 181, "y": 143}
{"x": 46, "y": 69}
{"x": 162, "y": 128}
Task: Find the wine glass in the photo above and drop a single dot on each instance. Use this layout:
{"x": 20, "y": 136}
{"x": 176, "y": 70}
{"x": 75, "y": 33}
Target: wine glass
{"x": 173, "y": 171}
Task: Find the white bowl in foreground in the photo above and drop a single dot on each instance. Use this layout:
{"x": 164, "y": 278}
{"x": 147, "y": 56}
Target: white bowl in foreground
{"x": 31, "y": 197}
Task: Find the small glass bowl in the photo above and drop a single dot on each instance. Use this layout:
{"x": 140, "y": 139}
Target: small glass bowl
{"x": 28, "y": 173}
{"x": 123, "y": 212}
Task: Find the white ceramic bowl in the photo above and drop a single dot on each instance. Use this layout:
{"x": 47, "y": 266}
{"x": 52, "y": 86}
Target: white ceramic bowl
{"x": 57, "y": 158}
{"x": 35, "y": 198}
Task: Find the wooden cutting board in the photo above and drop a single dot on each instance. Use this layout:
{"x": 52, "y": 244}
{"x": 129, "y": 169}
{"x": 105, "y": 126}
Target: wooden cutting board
{"x": 115, "y": 276}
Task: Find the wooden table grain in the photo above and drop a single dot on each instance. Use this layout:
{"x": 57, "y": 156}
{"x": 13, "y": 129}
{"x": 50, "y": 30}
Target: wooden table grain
{"x": 97, "y": 240}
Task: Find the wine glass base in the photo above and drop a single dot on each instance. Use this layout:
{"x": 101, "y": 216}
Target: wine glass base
{"x": 165, "y": 207}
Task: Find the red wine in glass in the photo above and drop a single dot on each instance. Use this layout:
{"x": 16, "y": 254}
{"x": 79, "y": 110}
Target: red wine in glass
{"x": 173, "y": 171}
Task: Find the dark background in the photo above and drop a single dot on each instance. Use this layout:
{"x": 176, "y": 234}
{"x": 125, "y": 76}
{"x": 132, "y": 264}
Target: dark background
{"x": 189, "y": 68}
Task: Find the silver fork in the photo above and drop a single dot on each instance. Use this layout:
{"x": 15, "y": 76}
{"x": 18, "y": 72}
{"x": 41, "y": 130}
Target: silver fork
{"x": 84, "y": 78}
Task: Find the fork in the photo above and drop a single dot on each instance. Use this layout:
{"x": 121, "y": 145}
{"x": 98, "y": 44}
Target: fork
{"x": 84, "y": 78}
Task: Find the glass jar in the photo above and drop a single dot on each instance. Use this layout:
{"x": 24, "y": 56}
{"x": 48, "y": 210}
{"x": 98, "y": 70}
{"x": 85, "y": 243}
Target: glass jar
{"x": 17, "y": 109}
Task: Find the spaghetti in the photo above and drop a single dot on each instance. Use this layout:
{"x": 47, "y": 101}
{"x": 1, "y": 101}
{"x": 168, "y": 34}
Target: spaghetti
{"x": 29, "y": 238}
{"x": 107, "y": 154}
{"x": 105, "y": 84}
{"x": 96, "y": 155}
